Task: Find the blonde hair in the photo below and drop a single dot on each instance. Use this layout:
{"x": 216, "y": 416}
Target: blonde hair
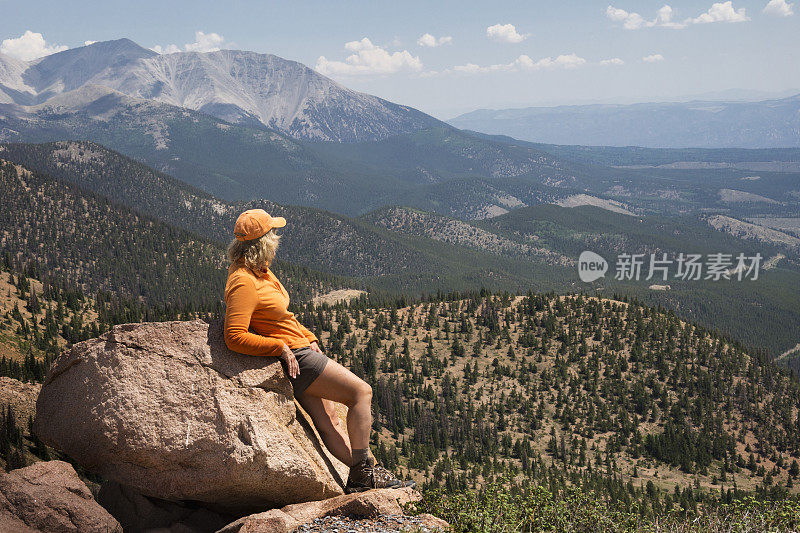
{"x": 256, "y": 254}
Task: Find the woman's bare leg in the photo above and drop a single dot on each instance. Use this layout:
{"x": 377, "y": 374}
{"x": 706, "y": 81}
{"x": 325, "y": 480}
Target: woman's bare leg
{"x": 340, "y": 385}
{"x": 326, "y": 420}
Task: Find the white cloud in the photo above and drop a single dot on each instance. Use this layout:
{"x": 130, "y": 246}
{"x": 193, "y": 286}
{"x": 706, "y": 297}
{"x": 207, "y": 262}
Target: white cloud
{"x": 630, "y": 21}
{"x": 780, "y": 8}
{"x": 664, "y": 18}
{"x": 472, "y": 68}
{"x": 718, "y": 12}
{"x": 721, "y": 12}
{"x": 203, "y": 42}
{"x": 505, "y": 33}
{"x": 368, "y": 58}
{"x": 430, "y": 41}
{"x": 87, "y": 43}
{"x": 169, "y": 49}
{"x": 29, "y": 46}
{"x": 653, "y": 58}
{"x": 524, "y": 62}
{"x": 568, "y": 61}
{"x": 634, "y": 21}
{"x": 614, "y": 61}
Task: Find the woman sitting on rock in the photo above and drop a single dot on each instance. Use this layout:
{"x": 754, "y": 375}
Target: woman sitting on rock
{"x": 257, "y": 301}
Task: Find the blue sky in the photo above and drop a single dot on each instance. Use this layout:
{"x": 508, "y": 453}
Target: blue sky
{"x": 478, "y": 54}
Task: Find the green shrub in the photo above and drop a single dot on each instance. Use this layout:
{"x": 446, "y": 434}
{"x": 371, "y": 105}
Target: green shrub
{"x": 496, "y": 508}
{"x": 502, "y": 507}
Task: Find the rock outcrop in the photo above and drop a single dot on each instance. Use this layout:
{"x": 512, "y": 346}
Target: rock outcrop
{"x": 368, "y": 504}
{"x": 138, "y": 513}
{"x": 167, "y": 410}
{"x": 50, "y": 497}
{"x": 20, "y": 395}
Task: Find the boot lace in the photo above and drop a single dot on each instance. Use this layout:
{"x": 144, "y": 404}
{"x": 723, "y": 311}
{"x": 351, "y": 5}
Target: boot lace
{"x": 383, "y": 476}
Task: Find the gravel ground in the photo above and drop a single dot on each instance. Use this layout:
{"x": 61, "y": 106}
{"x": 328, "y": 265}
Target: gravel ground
{"x": 382, "y": 524}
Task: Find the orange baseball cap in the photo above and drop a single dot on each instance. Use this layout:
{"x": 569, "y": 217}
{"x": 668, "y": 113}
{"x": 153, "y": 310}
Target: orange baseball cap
{"x": 254, "y": 223}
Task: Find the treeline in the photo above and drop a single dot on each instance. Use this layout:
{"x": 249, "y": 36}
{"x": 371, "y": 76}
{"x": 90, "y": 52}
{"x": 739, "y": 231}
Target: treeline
{"x": 134, "y": 266}
{"x": 43, "y": 321}
{"x": 18, "y": 445}
{"x": 75, "y": 235}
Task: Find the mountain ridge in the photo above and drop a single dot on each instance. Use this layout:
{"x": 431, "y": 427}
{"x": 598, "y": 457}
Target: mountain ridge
{"x": 240, "y": 87}
{"x": 237, "y": 162}
{"x": 771, "y": 123}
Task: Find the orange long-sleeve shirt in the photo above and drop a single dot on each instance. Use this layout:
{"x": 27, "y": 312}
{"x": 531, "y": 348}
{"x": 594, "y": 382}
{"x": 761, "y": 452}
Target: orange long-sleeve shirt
{"x": 259, "y": 302}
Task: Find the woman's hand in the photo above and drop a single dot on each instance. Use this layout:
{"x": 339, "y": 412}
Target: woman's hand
{"x": 291, "y": 361}
{"x": 315, "y": 347}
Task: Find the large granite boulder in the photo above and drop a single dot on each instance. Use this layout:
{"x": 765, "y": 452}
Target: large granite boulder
{"x": 50, "y": 497}
{"x": 167, "y": 410}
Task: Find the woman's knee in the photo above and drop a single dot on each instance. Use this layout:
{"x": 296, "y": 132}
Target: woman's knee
{"x": 361, "y": 393}
{"x": 365, "y": 391}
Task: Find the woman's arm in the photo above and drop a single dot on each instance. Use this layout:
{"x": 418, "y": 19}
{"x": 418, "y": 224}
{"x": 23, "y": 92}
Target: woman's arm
{"x": 241, "y": 301}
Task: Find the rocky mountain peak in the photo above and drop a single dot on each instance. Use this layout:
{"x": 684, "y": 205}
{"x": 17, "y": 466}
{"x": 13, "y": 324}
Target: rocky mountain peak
{"x": 237, "y": 86}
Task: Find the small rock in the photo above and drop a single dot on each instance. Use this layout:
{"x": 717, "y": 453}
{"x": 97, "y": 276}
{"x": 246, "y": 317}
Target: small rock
{"x": 50, "y": 497}
{"x": 371, "y": 504}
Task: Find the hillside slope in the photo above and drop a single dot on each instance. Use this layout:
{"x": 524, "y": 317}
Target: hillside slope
{"x": 409, "y": 251}
{"x": 622, "y": 398}
{"x": 63, "y": 232}
{"x": 73, "y": 235}
{"x": 550, "y": 238}
{"x": 647, "y": 414}
{"x": 314, "y": 238}
{"x": 682, "y": 181}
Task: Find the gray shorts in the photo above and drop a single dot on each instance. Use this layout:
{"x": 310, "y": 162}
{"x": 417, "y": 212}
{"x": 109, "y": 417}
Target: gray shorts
{"x": 311, "y": 364}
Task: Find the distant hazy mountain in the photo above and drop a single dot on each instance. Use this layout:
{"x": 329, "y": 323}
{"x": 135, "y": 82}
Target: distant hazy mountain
{"x": 704, "y": 124}
{"x": 235, "y": 86}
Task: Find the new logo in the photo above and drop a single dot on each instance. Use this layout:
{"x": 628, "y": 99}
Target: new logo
{"x": 591, "y": 266}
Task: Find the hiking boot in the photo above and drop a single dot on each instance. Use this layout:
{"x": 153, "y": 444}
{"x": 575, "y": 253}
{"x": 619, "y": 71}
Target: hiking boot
{"x": 367, "y": 475}
{"x": 380, "y": 472}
